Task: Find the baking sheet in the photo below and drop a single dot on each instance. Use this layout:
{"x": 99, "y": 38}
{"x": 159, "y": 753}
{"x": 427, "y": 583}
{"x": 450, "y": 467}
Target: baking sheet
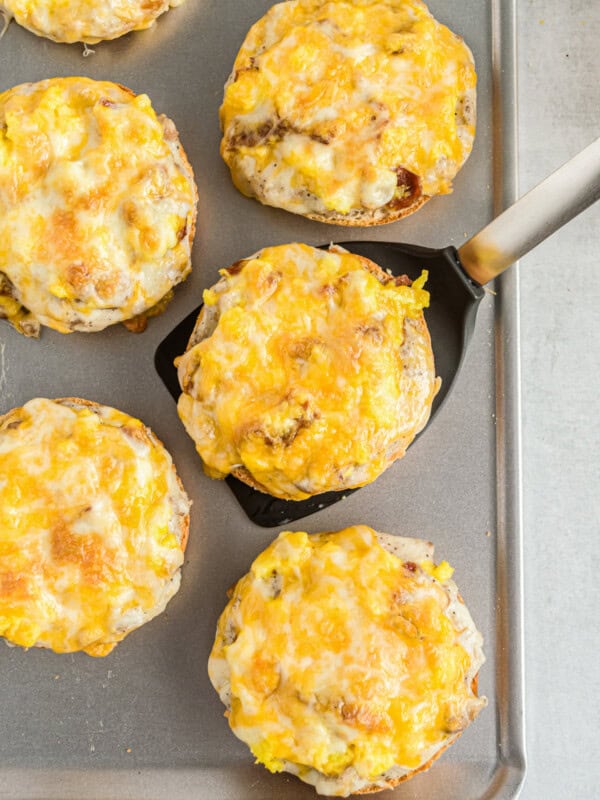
{"x": 144, "y": 722}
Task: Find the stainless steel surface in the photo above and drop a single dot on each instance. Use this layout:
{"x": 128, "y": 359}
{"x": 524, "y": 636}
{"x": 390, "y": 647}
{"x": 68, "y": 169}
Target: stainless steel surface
{"x": 538, "y": 214}
{"x": 559, "y": 98}
{"x": 144, "y": 722}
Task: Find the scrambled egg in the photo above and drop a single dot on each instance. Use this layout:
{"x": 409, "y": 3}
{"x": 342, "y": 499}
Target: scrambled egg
{"x": 334, "y": 655}
{"x": 97, "y": 205}
{"x": 316, "y": 376}
{"x": 87, "y": 21}
{"x": 336, "y": 107}
{"x": 92, "y": 524}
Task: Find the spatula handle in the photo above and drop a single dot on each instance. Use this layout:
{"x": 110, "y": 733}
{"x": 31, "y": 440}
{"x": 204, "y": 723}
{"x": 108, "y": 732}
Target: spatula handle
{"x": 538, "y": 214}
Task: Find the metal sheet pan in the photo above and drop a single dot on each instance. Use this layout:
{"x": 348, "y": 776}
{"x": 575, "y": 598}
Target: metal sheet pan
{"x": 144, "y": 722}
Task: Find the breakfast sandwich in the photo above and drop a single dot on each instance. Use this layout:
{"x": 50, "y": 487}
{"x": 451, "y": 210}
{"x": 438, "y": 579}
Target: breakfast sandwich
{"x": 353, "y": 112}
{"x": 348, "y": 659}
{"x": 93, "y": 525}
{"x": 97, "y": 206}
{"x": 308, "y": 371}
{"x": 88, "y": 21}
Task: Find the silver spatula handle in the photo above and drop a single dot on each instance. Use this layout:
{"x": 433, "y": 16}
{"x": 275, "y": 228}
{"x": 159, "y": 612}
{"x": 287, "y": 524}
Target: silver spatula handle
{"x": 543, "y": 210}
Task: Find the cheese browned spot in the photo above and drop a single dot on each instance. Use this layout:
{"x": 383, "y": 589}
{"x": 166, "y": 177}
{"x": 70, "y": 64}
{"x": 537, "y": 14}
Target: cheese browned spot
{"x": 348, "y": 111}
{"x": 93, "y": 523}
{"x": 309, "y": 371}
{"x": 357, "y": 670}
{"x": 97, "y": 205}
{"x": 87, "y": 21}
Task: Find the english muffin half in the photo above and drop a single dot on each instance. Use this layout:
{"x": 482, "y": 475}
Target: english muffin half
{"x": 93, "y": 520}
{"x": 87, "y": 21}
{"x": 348, "y": 659}
{"x": 353, "y": 112}
{"x": 97, "y": 206}
{"x": 308, "y": 371}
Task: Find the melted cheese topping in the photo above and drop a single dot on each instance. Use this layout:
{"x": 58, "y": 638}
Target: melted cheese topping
{"x": 86, "y": 20}
{"x": 329, "y": 100}
{"x": 336, "y": 656}
{"x": 90, "y": 526}
{"x": 305, "y": 381}
{"x": 96, "y": 204}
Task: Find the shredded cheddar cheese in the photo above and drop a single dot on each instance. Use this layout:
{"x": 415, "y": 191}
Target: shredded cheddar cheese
{"x": 96, "y": 204}
{"x": 441, "y": 572}
{"x": 89, "y": 547}
{"x": 333, "y": 654}
{"x": 87, "y": 21}
{"x": 334, "y": 104}
{"x": 307, "y": 381}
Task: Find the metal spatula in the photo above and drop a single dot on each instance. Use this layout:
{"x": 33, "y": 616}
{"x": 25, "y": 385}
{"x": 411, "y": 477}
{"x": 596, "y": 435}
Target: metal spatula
{"x": 456, "y": 278}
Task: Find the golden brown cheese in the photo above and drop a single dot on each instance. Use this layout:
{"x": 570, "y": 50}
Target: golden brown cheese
{"x": 337, "y": 107}
{"x": 87, "y": 21}
{"x": 97, "y": 204}
{"x": 304, "y": 381}
{"x": 336, "y": 657}
{"x": 92, "y": 526}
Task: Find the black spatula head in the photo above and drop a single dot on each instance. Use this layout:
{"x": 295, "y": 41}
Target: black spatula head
{"x": 450, "y": 318}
